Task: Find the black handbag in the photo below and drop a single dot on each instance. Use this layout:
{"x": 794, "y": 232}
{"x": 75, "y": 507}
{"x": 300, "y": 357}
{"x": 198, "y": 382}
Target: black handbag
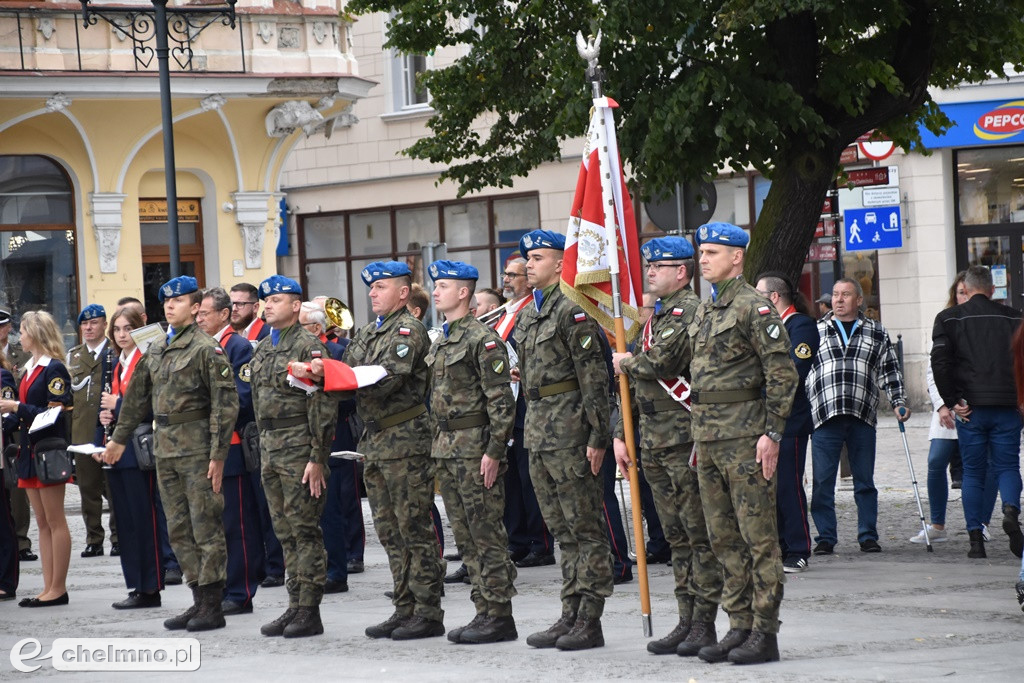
{"x": 53, "y": 464}
{"x": 10, "y": 456}
{"x": 142, "y": 441}
{"x": 251, "y": 452}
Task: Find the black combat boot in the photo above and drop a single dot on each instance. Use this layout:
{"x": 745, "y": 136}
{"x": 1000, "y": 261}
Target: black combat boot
{"x": 418, "y": 627}
{"x": 305, "y": 623}
{"x": 701, "y": 635}
{"x": 759, "y": 648}
{"x": 179, "y": 622}
{"x": 1011, "y": 525}
{"x": 385, "y": 628}
{"x": 211, "y": 611}
{"x": 586, "y": 633}
{"x": 977, "y": 550}
{"x": 491, "y": 630}
{"x": 548, "y": 638}
{"x": 720, "y": 652}
{"x": 277, "y": 626}
{"x": 456, "y": 633}
{"x": 668, "y": 644}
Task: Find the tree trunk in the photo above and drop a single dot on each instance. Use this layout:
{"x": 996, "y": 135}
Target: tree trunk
{"x": 790, "y": 214}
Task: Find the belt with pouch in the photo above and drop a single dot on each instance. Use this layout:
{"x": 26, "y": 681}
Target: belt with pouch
{"x": 659, "y": 405}
{"x": 181, "y": 418}
{"x": 463, "y": 422}
{"x": 282, "y": 422}
{"x": 728, "y": 396}
{"x": 537, "y": 393}
{"x": 374, "y": 426}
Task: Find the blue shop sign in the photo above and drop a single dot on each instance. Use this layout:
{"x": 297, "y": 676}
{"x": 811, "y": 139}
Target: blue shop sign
{"x": 996, "y": 122}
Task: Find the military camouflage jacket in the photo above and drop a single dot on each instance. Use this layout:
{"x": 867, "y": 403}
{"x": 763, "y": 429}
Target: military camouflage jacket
{"x": 400, "y": 344}
{"x": 668, "y": 358}
{"x": 740, "y": 343}
{"x": 469, "y": 378}
{"x": 555, "y": 345}
{"x": 187, "y": 375}
{"x": 274, "y": 399}
{"x": 86, "y": 386}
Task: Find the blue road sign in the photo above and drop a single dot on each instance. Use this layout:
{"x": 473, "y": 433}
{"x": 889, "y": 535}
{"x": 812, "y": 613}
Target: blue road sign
{"x": 880, "y": 227}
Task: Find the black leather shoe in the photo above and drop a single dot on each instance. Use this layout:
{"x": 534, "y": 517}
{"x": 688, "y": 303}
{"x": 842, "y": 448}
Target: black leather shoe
{"x": 4, "y": 597}
{"x": 824, "y": 548}
{"x": 93, "y": 550}
{"x": 1011, "y": 526}
{"x": 26, "y": 555}
{"x": 272, "y": 581}
{"x": 355, "y": 567}
{"x": 137, "y": 600}
{"x": 115, "y": 550}
{"x": 870, "y": 546}
{"x": 585, "y": 634}
{"x": 453, "y": 557}
{"x": 172, "y": 577}
{"x": 305, "y": 623}
{"x": 455, "y": 635}
{"x": 668, "y": 644}
{"x": 660, "y": 558}
{"x": 229, "y": 607}
{"x": 277, "y": 626}
{"x": 514, "y": 555}
{"x": 385, "y": 628}
{"x": 623, "y": 577}
{"x": 701, "y": 635}
{"x": 25, "y": 602}
{"x": 719, "y": 652}
{"x": 491, "y": 630}
{"x": 333, "y": 586}
{"x": 548, "y": 638}
{"x": 55, "y": 602}
{"x": 418, "y": 627}
{"x": 536, "y": 560}
{"x": 458, "y": 576}
{"x": 759, "y": 648}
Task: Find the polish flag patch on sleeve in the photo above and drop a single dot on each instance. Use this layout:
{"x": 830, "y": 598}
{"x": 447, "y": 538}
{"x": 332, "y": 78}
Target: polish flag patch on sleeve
{"x": 763, "y": 310}
{"x": 491, "y": 345}
{"x": 404, "y": 331}
{"x": 677, "y": 311}
{"x": 580, "y": 317}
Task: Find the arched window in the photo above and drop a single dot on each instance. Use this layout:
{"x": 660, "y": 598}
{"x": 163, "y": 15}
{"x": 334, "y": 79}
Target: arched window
{"x": 37, "y": 240}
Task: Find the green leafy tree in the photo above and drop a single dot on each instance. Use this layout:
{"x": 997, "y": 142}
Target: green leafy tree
{"x": 780, "y": 85}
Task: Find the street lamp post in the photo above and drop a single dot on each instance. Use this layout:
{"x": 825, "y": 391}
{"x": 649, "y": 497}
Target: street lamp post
{"x": 140, "y": 25}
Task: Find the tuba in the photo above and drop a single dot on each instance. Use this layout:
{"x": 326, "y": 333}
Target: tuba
{"x": 338, "y": 314}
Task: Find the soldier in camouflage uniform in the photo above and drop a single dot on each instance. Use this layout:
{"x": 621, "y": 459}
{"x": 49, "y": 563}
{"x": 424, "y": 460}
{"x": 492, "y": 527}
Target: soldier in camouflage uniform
{"x": 658, "y": 376}
{"x": 399, "y": 472}
{"x": 743, "y": 382}
{"x": 472, "y": 410}
{"x": 189, "y": 385}
{"x": 565, "y": 379}
{"x": 296, "y": 430}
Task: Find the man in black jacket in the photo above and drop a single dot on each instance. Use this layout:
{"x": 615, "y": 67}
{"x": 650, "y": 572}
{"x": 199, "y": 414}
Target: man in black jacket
{"x": 973, "y": 368}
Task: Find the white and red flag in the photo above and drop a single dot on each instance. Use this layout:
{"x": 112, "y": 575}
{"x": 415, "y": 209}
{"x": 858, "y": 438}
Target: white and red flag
{"x": 596, "y": 249}
{"x": 339, "y": 376}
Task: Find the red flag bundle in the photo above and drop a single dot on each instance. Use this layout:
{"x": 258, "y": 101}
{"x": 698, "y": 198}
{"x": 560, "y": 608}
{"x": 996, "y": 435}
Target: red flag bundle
{"x": 340, "y": 377}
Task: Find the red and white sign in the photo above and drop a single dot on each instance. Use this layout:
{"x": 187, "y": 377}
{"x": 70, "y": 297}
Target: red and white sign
{"x": 1002, "y": 122}
{"x": 875, "y": 146}
{"x": 821, "y": 252}
{"x": 826, "y": 228}
{"x": 867, "y": 176}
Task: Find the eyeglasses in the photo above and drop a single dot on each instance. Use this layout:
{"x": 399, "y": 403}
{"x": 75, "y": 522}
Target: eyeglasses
{"x": 663, "y": 265}
{"x": 242, "y": 304}
{"x": 309, "y": 324}
{"x": 766, "y": 292}
{"x": 512, "y": 276}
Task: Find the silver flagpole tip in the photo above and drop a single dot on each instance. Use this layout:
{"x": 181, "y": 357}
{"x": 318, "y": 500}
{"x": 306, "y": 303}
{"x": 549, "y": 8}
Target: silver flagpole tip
{"x": 648, "y": 630}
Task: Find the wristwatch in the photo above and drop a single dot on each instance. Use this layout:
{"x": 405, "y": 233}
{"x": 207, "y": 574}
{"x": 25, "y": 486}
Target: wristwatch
{"x": 774, "y": 436}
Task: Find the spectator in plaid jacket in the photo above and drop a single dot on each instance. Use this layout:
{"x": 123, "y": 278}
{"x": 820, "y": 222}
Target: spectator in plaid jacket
{"x": 854, "y": 358}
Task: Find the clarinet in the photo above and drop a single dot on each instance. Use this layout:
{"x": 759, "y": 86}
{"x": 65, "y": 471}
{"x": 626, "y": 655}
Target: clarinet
{"x": 108, "y": 373}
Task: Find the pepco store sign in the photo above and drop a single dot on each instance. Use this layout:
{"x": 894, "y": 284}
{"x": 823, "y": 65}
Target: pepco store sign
{"x": 1001, "y": 123}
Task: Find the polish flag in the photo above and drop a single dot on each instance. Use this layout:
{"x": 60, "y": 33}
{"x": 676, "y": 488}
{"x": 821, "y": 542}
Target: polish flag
{"x": 339, "y": 377}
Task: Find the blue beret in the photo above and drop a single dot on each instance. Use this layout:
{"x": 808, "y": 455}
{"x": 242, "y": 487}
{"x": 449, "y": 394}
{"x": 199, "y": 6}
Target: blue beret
{"x": 541, "y": 239}
{"x": 666, "y": 249}
{"x": 279, "y": 284}
{"x": 453, "y": 270}
{"x": 381, "y": 270}
{"x": 183, "y": 284}
{"x": 722, "y": 233}
{"x": 90, "y": 312}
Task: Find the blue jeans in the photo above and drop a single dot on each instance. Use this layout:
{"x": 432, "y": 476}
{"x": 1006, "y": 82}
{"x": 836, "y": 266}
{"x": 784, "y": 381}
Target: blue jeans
{"x": 826, "y": 446}
{"x": 939, "y": 454}
{"x": 989, "y": 441}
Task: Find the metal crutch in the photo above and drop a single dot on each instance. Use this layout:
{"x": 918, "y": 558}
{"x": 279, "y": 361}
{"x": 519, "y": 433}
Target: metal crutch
{"x": 913, "y": 478}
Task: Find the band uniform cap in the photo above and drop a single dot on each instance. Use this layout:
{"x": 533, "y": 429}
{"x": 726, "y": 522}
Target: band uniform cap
{"x": 722, "y": 233}
{"x": 452, "y": 270}
{"x": 541, "y": 239}
{"x": 278, "y": 284}
{"x": 667, "y": 249}
{"x": 383, "y": 270}
{"x": 5, "y": 315}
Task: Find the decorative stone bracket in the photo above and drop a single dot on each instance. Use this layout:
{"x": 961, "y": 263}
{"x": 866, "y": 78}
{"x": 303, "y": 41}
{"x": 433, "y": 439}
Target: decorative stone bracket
{"x": 252, "y": 214}
{"x": 107, "y": 220}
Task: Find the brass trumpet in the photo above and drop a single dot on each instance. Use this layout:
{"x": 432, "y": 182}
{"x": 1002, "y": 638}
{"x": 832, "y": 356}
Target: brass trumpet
{"x": 491, "y": 318}
{"x": 338, "y": 314}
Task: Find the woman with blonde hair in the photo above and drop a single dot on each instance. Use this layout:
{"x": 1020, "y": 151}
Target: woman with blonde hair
{"x": 45, "y": 383}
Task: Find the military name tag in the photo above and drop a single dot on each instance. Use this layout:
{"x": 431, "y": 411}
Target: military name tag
{"x": 402, "y": 350}
{"x": 56, "y": 386}
{"x": 773, "y": 331}
{"x": 802, "y": 351}
{"x": 498, "y": 366}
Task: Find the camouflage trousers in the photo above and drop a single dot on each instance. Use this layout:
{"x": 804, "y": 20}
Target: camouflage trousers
{"x": 195, "y": 523}
{"x": 295, "y": 515}
{"x": 676, "y": 493}
{"x": 400, "y": 493}
{"x": 739, "y": 505}
{"x": 477, "y": 518}
{"x": 571, "y": 499}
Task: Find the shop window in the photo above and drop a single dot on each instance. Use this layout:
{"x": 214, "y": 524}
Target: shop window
{"x": 990, "y": 185}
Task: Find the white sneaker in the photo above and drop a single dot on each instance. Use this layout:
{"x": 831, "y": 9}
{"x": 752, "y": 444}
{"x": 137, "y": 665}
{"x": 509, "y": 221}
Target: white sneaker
{"x": 935, "y": 535}
{"x": 984, "y": 533}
